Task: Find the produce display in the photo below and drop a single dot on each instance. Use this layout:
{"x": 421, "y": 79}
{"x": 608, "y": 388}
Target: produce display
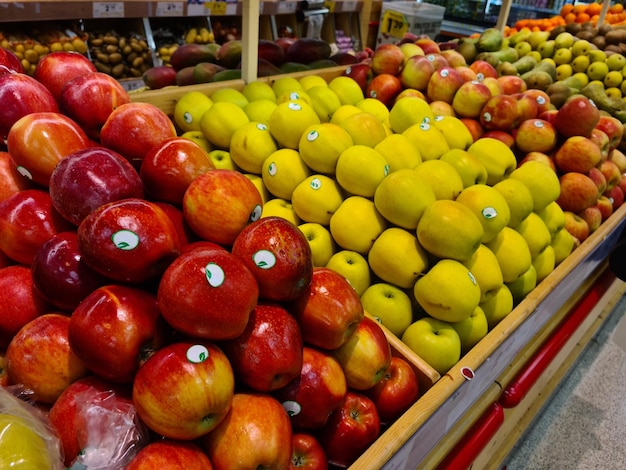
{"x": 231, "y": 283}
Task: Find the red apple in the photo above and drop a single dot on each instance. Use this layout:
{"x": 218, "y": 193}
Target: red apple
{"x": 444, "y": 84}
{"x": 72, "y": 417}
{"x": 500, "y": 112}
{"x": 548, "y": 115}
{"x": 130, "y": 240}
{"x": 454, "y": 58}
{"x": 409, "y": 92}
{"x": 220, "y": 203}
{"x": 428, "y": 45}
{"x": 175, "y": 213}
{"x": 384, "y": 87}
{"x": 37, "y": 143}
{"x": 90, "y": 99}
{"x": 437, "y": 60}
{"x": 184, "y": 390}
{"x": 466, "y": 73}
{"x": 256, "y": 433}
{"x": 360, "y": 73}
{"x": 598, "y": 177}
{"x": 494, "y": 85}
{"x": 396, "y": 391}
{"x": 470, "y": 98}
{"x": 59, "y": 274}
{"x": 512, "y": 84}
{"x": 307, "y": 453}
{"x": 329, "y": 311}
{"x": 578, "y": 192}
{"x": 89, "y": 178}
{"x": 527, "y": 106}
{"x": 536, "y": 135}
{"x": 616, "y": 195}
{"x": 388, "y": 59}
{"x": 19, "y": 301}
{"x": 441, "y": 108}
{"x": 577, "y": 154}
{"x": 576, "y": 226}
{"x": 601, "y": 139}
{"x": 11, "y": 181}
{"x": 9, "y": 62}
{"x": 4, "y": 378}
{"x": 540, "y": 157}
{"x": 593, "y": 216}
{"x": 350, "y": 429}
{"x": 132, "y": 129}
{"x": 27, "y": 220}
{"x": 577, "y": 117}
{"x": 483, "y": 69}
{"x": 170, "y": 453}
{"x": 134, "y": 330}
{"x": 416, "y": 72}
{"x": 21, "y": 94}
{"x": 54, "y": 70}
{"x": 613, "y": 128}
{"x": 366, "y": 356}
{"x": 617, "y": 157}
{"x": 169, "y": 167}
{"x": 40, "y": 359}
{"x": 611, "y": 172}
{"x": 268, "y": 354}
{"x": 319, "y": 389}
{"x": 541, "y": 98}
{"x": 208, "y": 293}
{"x": 606, "y": 207}
{"x": 503, "y": 136}
{"x": 475, "y": 128}
{"x": 278, "y": 255}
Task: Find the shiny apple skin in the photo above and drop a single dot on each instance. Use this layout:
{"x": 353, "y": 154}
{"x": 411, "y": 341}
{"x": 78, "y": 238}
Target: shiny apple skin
{"x": 55, "y": 69}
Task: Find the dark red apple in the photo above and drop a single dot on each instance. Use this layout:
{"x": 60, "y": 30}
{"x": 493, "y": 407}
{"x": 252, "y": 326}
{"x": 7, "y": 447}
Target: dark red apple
{"x": 606, "y": 207}
{"x": 37, "y": 143}
{"x": 185, "y": 233}
{"x": 59, "y": 274}
{"x": 11, "y": 181}
{"x": 360, "y": 73}
{"x": 19, "y": 301}
{"x": 307, "y": 453}
{"x": 208, "y": 293}
{"x": 616, "y": 195}
{"x": 169, "y": 167}
{"x": 130, "y": 240}
{"x": 170, "y": 453}
{"x": 54, "y": 70}
{"x": 384, "y": 87}
{"x": 613, "y": 128}
{"x": 27, "y": 220}
{"x": 90, "y": 99}
{"x": 577, "y": 117}
{"x": 9, "y": 62}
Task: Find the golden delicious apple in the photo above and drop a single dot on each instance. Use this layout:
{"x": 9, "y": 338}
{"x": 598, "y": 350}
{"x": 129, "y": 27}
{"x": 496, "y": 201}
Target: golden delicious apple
{"x": 317, "y": 198}
{"x": 541, "y": 180}
{"x": 535, "y": 232}
{"x": 518, "y": 197}
{"x": 443, "y": 218}
{"x": 321, "y": 242}
{"x": 353, "y": 266}
{"x": 364, "y": 128}
{"x": 469, "y": 168}
{"x": 442, "y": 178}
{"x": 389, "y": 305}
{"x": 321, "y": 145}
{"x": 397, "y": 257}
{"x": 222, "y": 159}
{"x": 258, "y": 182}
{"x": 512, "y": 253}
{"x": 282, "y": 171}
{"x": 435, "y": 341}
{"x": 189, "y": 109}
{"x": 250, "y": 145}
{"x": 23, "y": 444}
{"x": 356, "y": 224}
{"x": 522, "y": 286}
{"x": 486, "y": 270}
{"x": 429, "y": 140}
{"x": 281, "y": 208}
{"x": 399, "y": 151}
{"x": 472, "y": 329}
{"x": 432, "y": 291}
{"x": 563, "y": 244}
{"x": 544, "y": 263}
{"x": 497, "y": 306}
{"x": 497, "y": 157}
{"x": 489, "y": 207}
{"x": 360, "y": 169}
{"x": 324, "y": 101}
{"x": 402, "y": 197}
{"x": 409, "y": 111}
{"x": 455, "y": 132}
{"x": 553, "y": 217}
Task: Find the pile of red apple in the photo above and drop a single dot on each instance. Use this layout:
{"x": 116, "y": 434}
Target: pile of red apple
{"x": 180, "y": 327}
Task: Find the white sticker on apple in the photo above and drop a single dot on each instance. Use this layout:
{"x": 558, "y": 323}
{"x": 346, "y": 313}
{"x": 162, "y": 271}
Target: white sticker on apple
{"x": 262, "y": 127}
{"x": 539, "y": 123}
{"x": 541, "y": 100}
{"x": 125, "y": 240}
{"x": 472, "y": 278}
{"x": 214, "y": 274}
{"x": 480, "y": 77}
{"x": 272, "y": 169}
{"x": 373, "y": 94}
{"x": 444, "y": 72}
{"x": 312, "y": 136}
{"x": 187, "y": 117}
{"x": 489, "y": 212}
{"x": 487, "y": 117}
{"x": 386, "y": 170}
{"x": 197, "y": 353}
{"x": 315, "y": 183}
{"x": 294, "y": 95}
{"x": 264, "y": 259}
{"x": 294, "y": 106}
{"x": 24, "y": 172}
{"x": 438, "y": 118}
{"x": 256, "y": 213}
{"x": 425, "y": 126}
{"x": 292, "y": 408}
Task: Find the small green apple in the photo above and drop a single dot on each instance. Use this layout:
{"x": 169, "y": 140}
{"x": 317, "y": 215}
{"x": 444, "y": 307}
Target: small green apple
{"x": 581, "y": 47}
{"x": 580, "y": 64}
{"x": 564, "y": 40}
{"x": 320, "y": 240}
{"x": 435, "y": 341}
{"x": 222, "y": 159}
{"x": 472, "y": 329}
{"x": 353, "y": 266}
{"x": 498, "y": 306}
{"x": 317, "y": 198}
{"x": 282, "y": 171}
{"x": 356, "y": 224}
{"x": 616, "y": 62}
{"x": 389, "y": 305}
{"x": 199, "y": 138}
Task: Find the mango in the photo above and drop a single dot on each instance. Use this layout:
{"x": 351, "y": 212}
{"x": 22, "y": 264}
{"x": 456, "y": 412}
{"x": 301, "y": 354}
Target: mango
{"x": 159, "y": 77}
{"x": 184, "y": 76}
{"x": 344, "y": 58}
{"x": 188, "y": 55}
{"x": 271, "y": 52}
{"x": 227, "y": 74}
{"x": 289, "y": 67}
{"x": 204, "y": 72}
{"x": 265, "y": 68}
{"x": 307, "y": 50}
{"x": 229, "y": 54}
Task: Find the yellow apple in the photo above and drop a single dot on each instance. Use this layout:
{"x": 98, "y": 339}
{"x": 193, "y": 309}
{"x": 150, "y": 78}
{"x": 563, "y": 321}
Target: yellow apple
{"x": 399, "y": 151}
{"x": 364, "y": 128}
{"x": 442, "y": 178}
{"x": 435, "y": 341}
{"x": 512, "y": 253}
{"x": 486, "y": 270}
{"x": 397, "y": 257}
{"x": 356, "y": 224}
{"x": 563, "y": 244}
{"x": 497, "y": 157}
{"x": 489, "y": 207}
{"x": 324, "y": 101}
{"x": 402, "y": 197}
{"x": 523, "y": 285}
{"x": 389, "y": 305}
{"x": 260, "y": 186}
{"x": 518, "y": 197}
{"x": 472, "y": 329}
{"x": 544, "y": 263}
{"x": 282, "y": 171}
{"x": 321, "y": 242}
{"x": 189, "y": 109}
{"x": 280, "y": 208}
{"x": 250, "y": 145}
{"x": 360, "y": 169}
{"x": 498, "y": 306}
{"x": 541, "y": 180}
{"x": 317, "y": 198}
{"x": 536, "y": 233}
{"x": 199, "y": 138}
{"x": 353, "y": 266}
{"x": 553, "y": 216}
{"x": 429, "y": 140}
{"x": 222, "y": 159}
{"x": 469, "y": 168}
{"x": 432, "y": 291}
{"x": 409, "y": 111}
{"x": 455, "y": 132}
{"x": 321, "y": 145}
{"x": 22, "y": 446}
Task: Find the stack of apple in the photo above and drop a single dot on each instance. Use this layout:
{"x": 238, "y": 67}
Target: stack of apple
{"x": 177, "y": 327}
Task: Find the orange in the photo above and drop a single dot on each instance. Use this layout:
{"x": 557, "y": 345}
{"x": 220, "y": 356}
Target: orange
{"x": 616, "y": 8}
{"x": 570, "y": 18}
{"x": 580, "y": 8}
{"x": 582, "y": 18}
{"x": 594, "y": 9}
{"x": 567, "y": 8}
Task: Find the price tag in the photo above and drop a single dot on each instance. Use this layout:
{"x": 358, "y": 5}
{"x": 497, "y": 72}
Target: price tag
{"x": 286, "y": 7}
{"x": 330, "y": 5}
{"x": 394, "y": 24}
{"x": 108, "y": 9}
{"x": 216, "y": 8}
{"x": 169, "y": 9}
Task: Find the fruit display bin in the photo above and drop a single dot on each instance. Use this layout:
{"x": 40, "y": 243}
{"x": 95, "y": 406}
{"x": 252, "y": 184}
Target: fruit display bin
{"x": 449, "y": 405}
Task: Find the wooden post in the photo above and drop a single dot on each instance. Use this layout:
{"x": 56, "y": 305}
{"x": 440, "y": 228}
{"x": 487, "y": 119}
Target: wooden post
{"x": 503, "y": 17}
{"x": 605, "y": 8}
{"x": 250, "y": 40}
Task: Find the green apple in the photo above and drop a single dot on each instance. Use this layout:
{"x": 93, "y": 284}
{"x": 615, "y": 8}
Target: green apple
{"x": 535, "y": 232}
{"x": 442, "y": 177}
{"x": 544, "y": 263}
{"x": 399, "y": 151}
{"x": 222, "y": 159}
{"x": 497, "y": 157}
{"x": 260, "y": 186}
{"x": 317, "y": 198}
{"x": 282, "y": 171}
{"x": 541, "y": 180}
{"x": 581, "y": 47}
{"x": 389, "y": 305}
{"x": 512, "y": 253}
{"x": 402, "y": 197}
{"x": 360, "y": 169}
{"x": 250, "y": 145}
{"x": 580, "y": 63}
{"x": 321, "y": 242}
{"x": 546, "y": 49}
{"x": 553, "y": 216}
{"x": 353, "y": 266}
{"x": 597, "y": 70}
{"x": 498, "y": 306}
{"x": 429, "y": 140}
{"x": 489, "y": 207}
{"x": 321, "y": 145}
{"x": 562, "y": 56}
{"x": 563, "y": 243}
{"x": 189, "y": 109}
{"x": 523, "y": 285}
{"x": 472, "y": 329}
{"x": 613, "y": 79}
{"x": 469, "y": 168}
{"x": 199, "y": 138}
{"x": 435, "y": 341}
{"x": 356, "y": 224}
{"x": 442, "y": 218}
{"x": 432, "y": 291}
{"x": 279, "y": 207}
{"x": 397, "y": 257}
{"x": 564, "y": 40}
{"x": 518, "y": 197}
{"x": 486, "y": 270}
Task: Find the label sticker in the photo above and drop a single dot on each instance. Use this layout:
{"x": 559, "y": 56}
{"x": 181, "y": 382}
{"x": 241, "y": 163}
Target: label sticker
{"x": 197, "y": 353}
{"x": 125, "y": 240}
{"x": 264, "y": 259}
{"x": 214, "y": 274}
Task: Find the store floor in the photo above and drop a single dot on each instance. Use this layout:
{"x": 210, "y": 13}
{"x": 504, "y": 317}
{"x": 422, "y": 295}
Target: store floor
{"x": 583, "y": 425}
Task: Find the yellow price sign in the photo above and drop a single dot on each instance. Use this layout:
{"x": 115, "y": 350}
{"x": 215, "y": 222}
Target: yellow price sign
{"x": 330, "y": 5}
{"x": 217, "y": 8}
{"x": 394, "y": 24}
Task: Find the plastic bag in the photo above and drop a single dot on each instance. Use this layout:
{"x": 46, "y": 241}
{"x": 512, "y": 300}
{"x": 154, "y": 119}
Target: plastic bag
{"x": 27, "y": 441}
